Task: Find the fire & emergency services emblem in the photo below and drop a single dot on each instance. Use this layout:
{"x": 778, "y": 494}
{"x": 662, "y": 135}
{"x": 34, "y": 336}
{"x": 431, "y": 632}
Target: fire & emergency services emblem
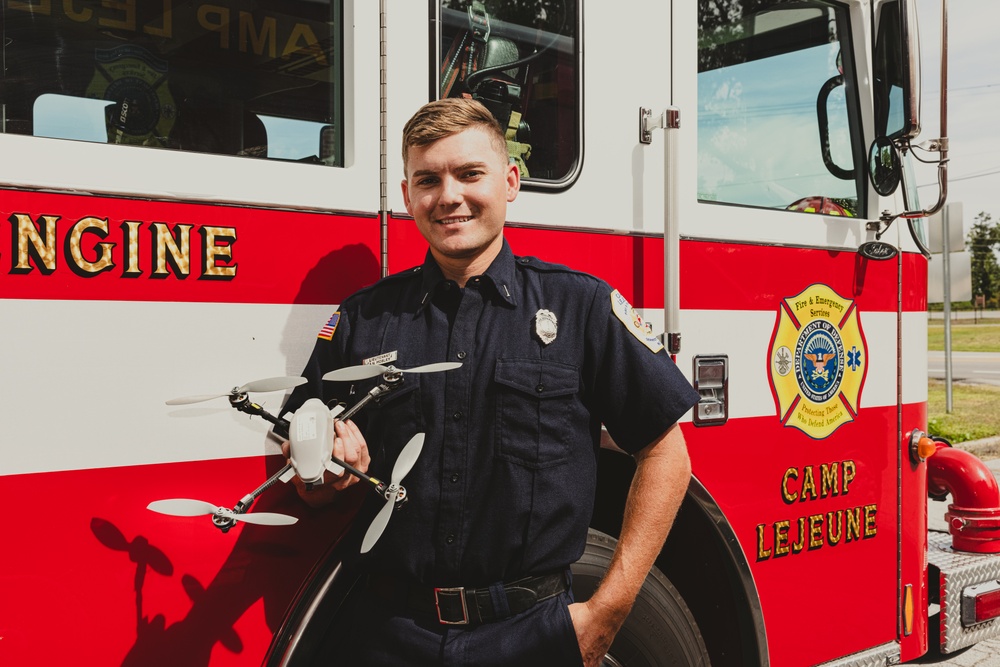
{"x": 817, "y": 361}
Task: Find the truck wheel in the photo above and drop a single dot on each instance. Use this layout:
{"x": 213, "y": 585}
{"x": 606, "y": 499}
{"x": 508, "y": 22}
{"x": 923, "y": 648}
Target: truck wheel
{"x": 660, "y": 629}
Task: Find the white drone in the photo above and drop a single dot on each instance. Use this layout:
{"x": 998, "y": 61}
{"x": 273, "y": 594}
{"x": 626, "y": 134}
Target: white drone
{"x": 310, "y": 431}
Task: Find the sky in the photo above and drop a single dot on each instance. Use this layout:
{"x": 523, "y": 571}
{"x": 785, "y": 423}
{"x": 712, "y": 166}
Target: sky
{"x": 973, "y": 120}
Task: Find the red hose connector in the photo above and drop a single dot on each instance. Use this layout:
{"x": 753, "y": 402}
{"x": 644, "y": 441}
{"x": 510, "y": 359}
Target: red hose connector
{"x": 974, "y": 515}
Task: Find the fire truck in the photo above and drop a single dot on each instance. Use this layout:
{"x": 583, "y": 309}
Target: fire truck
{"x": 189, "y": 188}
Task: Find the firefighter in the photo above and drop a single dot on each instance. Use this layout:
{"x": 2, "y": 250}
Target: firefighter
{"x": 475, "y": 568}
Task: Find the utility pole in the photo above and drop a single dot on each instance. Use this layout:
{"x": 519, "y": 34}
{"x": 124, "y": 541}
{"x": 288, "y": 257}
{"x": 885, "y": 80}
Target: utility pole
{"x": 946, "y": 268}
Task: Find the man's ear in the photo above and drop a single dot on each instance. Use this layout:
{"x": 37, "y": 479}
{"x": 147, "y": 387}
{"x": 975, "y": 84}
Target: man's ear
{"x": 513, "y": 181}
{"x": 406, "y": 195}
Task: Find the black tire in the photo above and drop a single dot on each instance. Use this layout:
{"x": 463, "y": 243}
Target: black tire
{"x": 660, "y": 631}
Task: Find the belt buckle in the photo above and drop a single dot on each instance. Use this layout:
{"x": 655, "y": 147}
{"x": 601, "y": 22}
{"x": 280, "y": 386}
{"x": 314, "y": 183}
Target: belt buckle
{"x": 460, "y": 591}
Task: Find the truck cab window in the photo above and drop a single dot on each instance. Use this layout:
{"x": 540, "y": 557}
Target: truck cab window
{"x": 777, "y": 120}
{"x": 256, "y": 78}
{"x": 521, "y": 59}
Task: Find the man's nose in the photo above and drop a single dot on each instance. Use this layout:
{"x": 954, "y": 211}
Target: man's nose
{"x": 451, "y": 192}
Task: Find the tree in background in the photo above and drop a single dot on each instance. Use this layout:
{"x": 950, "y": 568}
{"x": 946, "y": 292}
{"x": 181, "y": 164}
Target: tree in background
{"x": 984, "y": 240}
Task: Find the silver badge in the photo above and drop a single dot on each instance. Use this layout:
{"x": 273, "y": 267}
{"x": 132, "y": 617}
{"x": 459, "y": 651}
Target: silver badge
{"x": 545, "y": 326}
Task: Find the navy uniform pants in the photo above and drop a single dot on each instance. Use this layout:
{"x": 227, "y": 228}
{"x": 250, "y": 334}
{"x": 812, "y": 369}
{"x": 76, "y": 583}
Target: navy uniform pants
{"x": 542, "y": 636}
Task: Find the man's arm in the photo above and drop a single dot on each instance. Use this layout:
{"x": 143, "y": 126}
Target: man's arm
{"x": 663, "y": 471}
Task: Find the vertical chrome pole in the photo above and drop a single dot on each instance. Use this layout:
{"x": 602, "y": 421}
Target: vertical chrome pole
{"x": 671, "y": 232}
{"x": 383, "y": 203}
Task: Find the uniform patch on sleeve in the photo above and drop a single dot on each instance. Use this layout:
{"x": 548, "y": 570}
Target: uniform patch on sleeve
{"x": 624, "y": 311}
{"x": 326, "y": 333}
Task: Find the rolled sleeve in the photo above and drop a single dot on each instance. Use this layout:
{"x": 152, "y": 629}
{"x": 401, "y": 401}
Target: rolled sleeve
{"x": 639, "y": 393}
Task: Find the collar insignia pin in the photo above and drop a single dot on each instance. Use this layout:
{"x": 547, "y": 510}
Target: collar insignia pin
{"x": 545, "y": 326}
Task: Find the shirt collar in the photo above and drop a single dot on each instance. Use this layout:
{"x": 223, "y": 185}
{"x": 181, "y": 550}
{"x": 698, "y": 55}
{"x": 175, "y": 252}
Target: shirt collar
{"x": 501, "y": 274}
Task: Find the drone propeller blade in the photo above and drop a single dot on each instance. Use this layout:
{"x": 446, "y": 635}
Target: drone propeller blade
{"x": 266, "y": 518}
{"x": 377, "y": 527}
{"x": 182, "y": 507}
{"x": 188, "y": 507}
{"x": 433, "y": 368}
{"x": 187, "y": 400}
{"x": 354, "y": 373}
{"x": 267, "y": 384}
{"x": 407, "y": 457}
{"x": 363, "y": 372}
{"x": 404, "y": 463}
{"x": 273, "y": 384}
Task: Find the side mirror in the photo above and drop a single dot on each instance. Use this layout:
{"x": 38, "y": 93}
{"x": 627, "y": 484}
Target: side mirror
{"x": 897, "y": 71}
{"x": 884, "y": 166}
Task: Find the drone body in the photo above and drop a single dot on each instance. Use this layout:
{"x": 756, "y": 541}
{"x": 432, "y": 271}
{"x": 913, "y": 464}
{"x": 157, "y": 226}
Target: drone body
{"x": 310, "y": 436}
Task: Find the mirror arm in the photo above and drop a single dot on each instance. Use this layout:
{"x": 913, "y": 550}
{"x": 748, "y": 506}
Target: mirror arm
{"x": 888, "y": 218}
{"x": 939, "y": 145}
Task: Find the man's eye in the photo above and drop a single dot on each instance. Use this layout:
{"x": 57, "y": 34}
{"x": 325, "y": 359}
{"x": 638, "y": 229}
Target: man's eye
{"x": 473, "y": 174}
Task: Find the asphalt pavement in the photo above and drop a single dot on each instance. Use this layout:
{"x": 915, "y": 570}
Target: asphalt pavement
{"x": 964, "y": 315}
{"x": 976, "y": 367}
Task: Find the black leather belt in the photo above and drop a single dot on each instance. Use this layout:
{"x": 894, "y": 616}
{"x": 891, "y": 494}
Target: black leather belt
{"x": 457, "y": 605}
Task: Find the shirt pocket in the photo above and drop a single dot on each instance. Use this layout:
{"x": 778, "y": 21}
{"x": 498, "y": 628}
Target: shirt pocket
{"x": 536, "y": 402}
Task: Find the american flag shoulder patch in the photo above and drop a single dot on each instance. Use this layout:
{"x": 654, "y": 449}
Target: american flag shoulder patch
{"x": 326, "y": 333}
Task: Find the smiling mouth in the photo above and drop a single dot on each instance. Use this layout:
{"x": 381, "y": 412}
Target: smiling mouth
{"x": 453, "y": 221}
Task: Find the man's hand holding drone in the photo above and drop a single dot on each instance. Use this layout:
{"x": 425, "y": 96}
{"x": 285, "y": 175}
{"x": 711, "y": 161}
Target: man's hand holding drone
{"x": 350, "y": 447}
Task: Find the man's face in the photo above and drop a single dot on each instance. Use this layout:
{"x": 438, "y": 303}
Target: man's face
{"x": 457, "y": 190}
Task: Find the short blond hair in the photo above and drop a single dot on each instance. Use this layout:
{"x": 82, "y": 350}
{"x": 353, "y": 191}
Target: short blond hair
{"x": 443, "y": 118}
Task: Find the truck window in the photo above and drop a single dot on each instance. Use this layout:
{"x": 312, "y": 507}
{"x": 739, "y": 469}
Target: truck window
{"x": 256, "y": 78}
{"x": 777, "y": 110}
{"x": 521, "y": 60}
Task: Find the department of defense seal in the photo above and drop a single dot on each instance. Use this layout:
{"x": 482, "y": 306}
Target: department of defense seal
{"x": 817, "y": 361}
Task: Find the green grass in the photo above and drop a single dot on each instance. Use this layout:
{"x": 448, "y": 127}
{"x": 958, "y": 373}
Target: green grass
{"x": 974, "y": 412}
{"x": 965, "y": 336}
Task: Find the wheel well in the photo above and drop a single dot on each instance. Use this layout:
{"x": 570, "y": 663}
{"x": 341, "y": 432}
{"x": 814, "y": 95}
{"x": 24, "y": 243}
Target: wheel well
{"x": 697, "y": 551}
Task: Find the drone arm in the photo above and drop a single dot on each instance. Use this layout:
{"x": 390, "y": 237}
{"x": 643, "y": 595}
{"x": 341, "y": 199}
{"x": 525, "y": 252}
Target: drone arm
{"x": 376, "y": 392}
{"x": 246, "y": 501}
{"x": 243, "y": 506}
{"x": 243, "y": 403}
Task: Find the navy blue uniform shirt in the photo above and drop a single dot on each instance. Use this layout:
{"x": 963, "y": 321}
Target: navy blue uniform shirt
{"x": 505, "y": 484}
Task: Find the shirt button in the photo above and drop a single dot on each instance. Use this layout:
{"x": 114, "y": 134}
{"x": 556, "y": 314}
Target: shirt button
{"x": 540, "y": 388}
{"x": 461, "y": 355}
{"x": 454, "y": 478}
{"x": 457, "y": 416}
{"x": 450, "y": 539}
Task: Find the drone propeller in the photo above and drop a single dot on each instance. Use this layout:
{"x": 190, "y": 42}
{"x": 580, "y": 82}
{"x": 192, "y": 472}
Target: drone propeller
{"x": 187, "y": 507}
{"x": 404, "y": 463}
{"x": 267, "y": 384}
{"x": 353, "y": 373}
